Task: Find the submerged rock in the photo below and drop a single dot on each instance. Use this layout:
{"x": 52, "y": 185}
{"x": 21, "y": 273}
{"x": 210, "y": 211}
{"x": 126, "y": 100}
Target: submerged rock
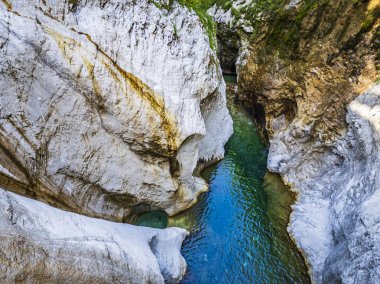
{"x": 108, "y": 106}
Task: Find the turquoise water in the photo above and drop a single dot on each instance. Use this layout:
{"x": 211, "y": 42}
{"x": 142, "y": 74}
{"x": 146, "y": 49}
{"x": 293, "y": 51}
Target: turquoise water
{"x": 154, "y": 219}
{"x": 238, "y": 228}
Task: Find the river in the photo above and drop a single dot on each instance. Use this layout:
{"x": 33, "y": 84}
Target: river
{"x": 238, "y": 228}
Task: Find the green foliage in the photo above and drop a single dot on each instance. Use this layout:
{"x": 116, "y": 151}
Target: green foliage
{"x": 175, "y": 31}
{"x": 200, "y": 7}
{"x": 161, "y": 5}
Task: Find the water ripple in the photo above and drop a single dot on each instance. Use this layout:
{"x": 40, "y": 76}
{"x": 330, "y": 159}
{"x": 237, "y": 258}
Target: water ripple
{"x": 238, "y": 228}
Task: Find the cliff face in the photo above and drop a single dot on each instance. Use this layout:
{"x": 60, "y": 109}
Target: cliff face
{"x": 311, "y": 60}
{"x": 106, "y": 109}
{"x": 301, "y": 75}
{"x": 107, "y": 106}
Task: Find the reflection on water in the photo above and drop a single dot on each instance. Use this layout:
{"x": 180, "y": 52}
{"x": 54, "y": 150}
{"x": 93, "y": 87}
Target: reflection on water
{"x": 238, "y": 228}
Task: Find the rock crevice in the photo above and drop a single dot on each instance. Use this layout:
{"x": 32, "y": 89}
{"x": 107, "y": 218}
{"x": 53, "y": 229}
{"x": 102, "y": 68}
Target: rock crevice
{"x": 106, "y": 110}
{"x": 101, "y": 110}
{"x": 307, "y": 70}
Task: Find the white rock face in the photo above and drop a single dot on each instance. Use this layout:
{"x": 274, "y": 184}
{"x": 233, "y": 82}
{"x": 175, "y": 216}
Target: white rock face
{"x": 106, "y": 109}
{"x": 107, "y": 106}
{"x": 227, "y": 17}
{"x": 336, "y": 220}
{"x": 41, "y": 244}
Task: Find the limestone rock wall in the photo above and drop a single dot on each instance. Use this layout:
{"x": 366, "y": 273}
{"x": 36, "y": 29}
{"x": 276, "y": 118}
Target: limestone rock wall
{"x": 42, "y": 244}
{"x": 107, "y": 106}
{"x": 335, "y": 221}
{"x": 301, "y": 76}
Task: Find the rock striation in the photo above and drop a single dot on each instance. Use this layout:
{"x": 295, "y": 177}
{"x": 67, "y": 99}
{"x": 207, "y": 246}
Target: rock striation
{"x": 107, "y": 109}
{"x": 302, "y": 76}
{"x": 108, "y": 106}
{"x": 335, "y": 221}
{"x": 42, "y": 244}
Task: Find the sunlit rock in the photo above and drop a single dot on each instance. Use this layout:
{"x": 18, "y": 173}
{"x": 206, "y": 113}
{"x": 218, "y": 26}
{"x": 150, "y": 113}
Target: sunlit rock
{"x": 107, "y": 108}
{"x": 308, "y": 78}
{"x": 42, "y": 244}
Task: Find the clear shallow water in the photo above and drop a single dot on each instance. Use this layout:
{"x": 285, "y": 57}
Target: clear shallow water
{"x": 153, "y": 219}
{"x": 238, "y": 228}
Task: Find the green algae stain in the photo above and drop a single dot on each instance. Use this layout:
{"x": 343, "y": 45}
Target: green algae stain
{"x": 154, "y": 219}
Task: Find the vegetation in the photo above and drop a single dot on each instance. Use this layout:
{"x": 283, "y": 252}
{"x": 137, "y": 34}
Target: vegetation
{"x": 285, "y": 24}
{"x": 200, "y": 7}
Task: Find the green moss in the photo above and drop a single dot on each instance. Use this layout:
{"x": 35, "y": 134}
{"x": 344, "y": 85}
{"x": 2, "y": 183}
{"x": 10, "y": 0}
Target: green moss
{"x": 161, "y": 5}
{"x": 368, "y": 23}
{"x": 286, "y": 30}
{"x": 175, "y": 31}
{"x": 200, "y": 7}
{"x": 370, "y": 19}
{"x": 307, "y": 8}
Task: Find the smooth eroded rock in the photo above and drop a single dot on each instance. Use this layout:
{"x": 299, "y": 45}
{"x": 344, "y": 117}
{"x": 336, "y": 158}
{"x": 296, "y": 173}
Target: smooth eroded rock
{"x": 42, "y": 244}
{"x": 107, "y": 107}
{"x": 302, "y": 76}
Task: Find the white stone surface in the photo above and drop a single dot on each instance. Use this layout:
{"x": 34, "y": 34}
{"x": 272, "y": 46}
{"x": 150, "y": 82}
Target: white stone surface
{"x": 100, "y": 100}
{"x": 41, "y": 244}
{"x": 227, "y": 17}
{"x": 336, "y": 220}
{"x": 293, "y": 4}
{"x": 106, "y": 108}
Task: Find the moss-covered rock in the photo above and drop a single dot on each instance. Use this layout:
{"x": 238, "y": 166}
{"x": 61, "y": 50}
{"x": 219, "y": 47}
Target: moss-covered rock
{"x": 303, "y": 67}
{"x": 311, "y": 52}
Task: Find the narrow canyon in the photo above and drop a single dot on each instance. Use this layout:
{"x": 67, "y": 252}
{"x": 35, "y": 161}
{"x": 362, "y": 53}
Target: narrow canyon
{"x": 115, "y": 114}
